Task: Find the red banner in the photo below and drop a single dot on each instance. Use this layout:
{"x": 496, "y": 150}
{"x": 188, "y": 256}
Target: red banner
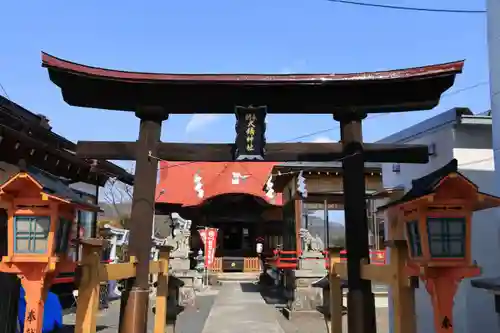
{"x": 209, "y": 238}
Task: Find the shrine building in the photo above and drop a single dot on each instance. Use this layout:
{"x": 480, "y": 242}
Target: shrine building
{"x": 235, "y": 201}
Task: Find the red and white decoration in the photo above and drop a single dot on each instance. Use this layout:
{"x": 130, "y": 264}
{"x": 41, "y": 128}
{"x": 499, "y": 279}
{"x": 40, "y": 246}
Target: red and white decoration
{"x": 209, "y": 238}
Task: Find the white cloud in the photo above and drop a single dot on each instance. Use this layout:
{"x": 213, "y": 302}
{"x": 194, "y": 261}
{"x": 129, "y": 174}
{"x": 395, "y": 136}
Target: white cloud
{"x": 286, "y": 70}
{"x": 322, "y": 139}
{"x": 199, "y": 121}
{"x": 296, "y": 67}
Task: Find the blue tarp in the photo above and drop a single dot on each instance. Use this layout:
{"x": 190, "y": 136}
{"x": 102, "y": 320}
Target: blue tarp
{"x": 52, "y": 315}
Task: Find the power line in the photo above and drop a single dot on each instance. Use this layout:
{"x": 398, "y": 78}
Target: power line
{"x": 414, "y": 9}
{"x": 4, "y": 91}
{"x": 448, "y": 94}
{"x": 458, "y": 91}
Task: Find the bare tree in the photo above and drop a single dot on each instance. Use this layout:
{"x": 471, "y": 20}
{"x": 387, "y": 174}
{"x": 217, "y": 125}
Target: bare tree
{"x": 119, "y": 196}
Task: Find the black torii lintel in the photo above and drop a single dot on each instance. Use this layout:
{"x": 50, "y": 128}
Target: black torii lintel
{"x": 276, "y": 152}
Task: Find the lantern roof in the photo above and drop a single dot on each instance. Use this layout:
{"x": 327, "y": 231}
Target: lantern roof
{"x": 51, "y": 185}
{"x": 428, "y": 185}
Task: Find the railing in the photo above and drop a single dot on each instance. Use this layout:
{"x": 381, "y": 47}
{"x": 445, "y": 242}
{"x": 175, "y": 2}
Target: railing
{"x": 251, "y": 264}
{"x": 69, "y": 277}
{"x": 282, "y": 259}
{"x": 377, "y": 271}
{"x": 217, "y": 265}
{"x": 91, "y": 272}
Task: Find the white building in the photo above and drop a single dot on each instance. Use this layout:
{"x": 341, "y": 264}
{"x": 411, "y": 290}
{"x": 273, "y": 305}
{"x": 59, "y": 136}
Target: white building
{"x": 458, "y": 134}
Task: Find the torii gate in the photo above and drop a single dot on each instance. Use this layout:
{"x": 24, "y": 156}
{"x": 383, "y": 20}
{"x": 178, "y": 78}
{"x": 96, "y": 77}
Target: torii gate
{"x": 349, "y": 97}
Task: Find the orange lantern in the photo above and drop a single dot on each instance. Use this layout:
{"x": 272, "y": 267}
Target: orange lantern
{"x": 437, "y": 215}
{"x": 41, "y": 213}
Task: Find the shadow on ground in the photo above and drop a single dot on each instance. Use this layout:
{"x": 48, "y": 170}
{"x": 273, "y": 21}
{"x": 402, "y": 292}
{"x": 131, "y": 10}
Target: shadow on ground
{"x": 71, "y": 328}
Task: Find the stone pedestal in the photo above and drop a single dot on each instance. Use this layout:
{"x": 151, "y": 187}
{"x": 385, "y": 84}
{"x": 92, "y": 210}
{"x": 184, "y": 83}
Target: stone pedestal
{"x": 187, "y": 293}
{"x": 179, "y": 264}
{"x": 312, "y": 264}
{"x": 307, "y": 297}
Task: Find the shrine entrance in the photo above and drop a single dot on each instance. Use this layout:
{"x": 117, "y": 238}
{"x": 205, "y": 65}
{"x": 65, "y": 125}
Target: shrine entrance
{"x": 240, "y": 220}
{"x": 349, "y": 98}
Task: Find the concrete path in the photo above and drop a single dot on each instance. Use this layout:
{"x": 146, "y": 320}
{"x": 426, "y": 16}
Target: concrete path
{"x": 239, "y": 307}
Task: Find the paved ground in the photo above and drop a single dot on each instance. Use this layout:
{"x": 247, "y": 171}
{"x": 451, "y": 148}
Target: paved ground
{"x": 234, "y": 307}
{"x": 191, "y": 319}
{"x": 315, "y": 323}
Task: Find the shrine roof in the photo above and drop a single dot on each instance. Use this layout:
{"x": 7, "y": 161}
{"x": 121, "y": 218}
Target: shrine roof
{"x": 416, "y": 88}
{"x": 36, "y": 140}
{"x": 283, "y": 173}
{"x": 55, "y": 186}
{"x": 176, "y": 179}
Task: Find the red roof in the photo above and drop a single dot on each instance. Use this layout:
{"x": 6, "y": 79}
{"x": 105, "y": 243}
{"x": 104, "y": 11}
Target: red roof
{"x": 53, "y": 62}
{"x": 176, "y": 179}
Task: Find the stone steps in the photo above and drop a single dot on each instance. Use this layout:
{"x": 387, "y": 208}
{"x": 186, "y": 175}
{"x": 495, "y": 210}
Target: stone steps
{"x": 238, "y": 277}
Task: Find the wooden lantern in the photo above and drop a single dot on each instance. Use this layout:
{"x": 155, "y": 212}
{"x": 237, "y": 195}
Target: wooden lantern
{"x": 436, "y": 216}
{"x": 41, "y": 214}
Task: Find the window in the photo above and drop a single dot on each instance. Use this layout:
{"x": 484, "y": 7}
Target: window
{"x": 446, "y": 237}
{"x": 31, "y": 234}
{"x": 62, "y": 236}
{"x": 414, "y": 239}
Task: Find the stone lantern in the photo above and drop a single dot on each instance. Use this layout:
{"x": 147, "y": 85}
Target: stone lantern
{"x": 41, "y": 214}
{"x": 436, "y": 215}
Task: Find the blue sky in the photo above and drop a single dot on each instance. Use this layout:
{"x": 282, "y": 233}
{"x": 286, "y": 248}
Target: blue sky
{"x": 223, "y": 36}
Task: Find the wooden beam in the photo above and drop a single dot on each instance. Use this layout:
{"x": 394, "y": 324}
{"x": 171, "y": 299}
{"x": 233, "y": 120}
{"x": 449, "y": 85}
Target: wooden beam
{"x": 378, "y": 273}
{"x": 106, "y": 150}
{"x": 121, "y": 271}
{"x": 277, "y": 152}
{"x": 396, "y": 153}
{"x": 341, "y": 269}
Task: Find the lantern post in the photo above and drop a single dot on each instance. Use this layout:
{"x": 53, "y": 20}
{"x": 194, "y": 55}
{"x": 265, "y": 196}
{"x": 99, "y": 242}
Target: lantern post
{"x": 435, "y": 216}
{"x": 41, "y": 215}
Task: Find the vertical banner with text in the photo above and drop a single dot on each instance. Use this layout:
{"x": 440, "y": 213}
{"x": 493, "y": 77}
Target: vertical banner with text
{"x": 209, "y": 238}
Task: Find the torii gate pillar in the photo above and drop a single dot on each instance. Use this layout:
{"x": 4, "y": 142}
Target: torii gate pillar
{"x": 360, "y": 299}
{"x": 135, "y": 298}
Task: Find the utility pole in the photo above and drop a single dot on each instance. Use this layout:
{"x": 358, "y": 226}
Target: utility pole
{"x": 493, "y": 38}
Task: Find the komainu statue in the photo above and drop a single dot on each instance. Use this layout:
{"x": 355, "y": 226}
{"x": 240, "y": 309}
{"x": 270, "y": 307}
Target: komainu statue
{"x": 181, "y": 233}
{"x": 310, "y": 243}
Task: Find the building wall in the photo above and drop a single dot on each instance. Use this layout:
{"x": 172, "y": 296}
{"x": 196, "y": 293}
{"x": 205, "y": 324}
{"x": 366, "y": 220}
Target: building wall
{"x": 473, "y": 150}
{"x": 493, "y": 42}
{"x": 493, "y": 39}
